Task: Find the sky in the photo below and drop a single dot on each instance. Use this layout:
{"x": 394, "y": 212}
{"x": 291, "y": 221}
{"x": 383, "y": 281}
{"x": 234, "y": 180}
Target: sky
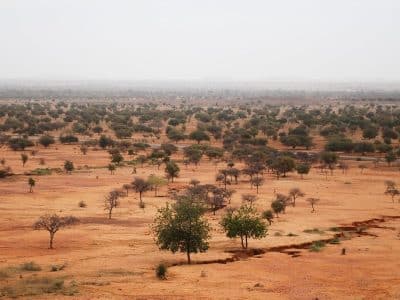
{"x": 335, "y": 40}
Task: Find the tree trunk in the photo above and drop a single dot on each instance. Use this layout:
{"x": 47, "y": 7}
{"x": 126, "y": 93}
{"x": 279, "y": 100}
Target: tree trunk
{"x": 188, "y": 256}
{"x": 246, "y": 241}
{"x": 51, "y": 240}
{"x": 242, "y": 241}
{"x": 109, "y": 213}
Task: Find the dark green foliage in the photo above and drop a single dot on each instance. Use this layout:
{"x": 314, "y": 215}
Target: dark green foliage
{"x": 161, "y": 271}
{"x": 181, "y": 227}
{"x": 244, "y": 223}
{"x": 172, "y": 170}
{"x": 19, "y": 143}
{"x": 46, "y": 140}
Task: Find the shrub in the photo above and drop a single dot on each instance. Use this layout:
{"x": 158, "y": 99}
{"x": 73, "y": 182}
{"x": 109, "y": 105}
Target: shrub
{"x": 317, "y": 246}
{"x": 82, "y": 204}
{"x": 161, "y": 271}
{"x": 30, "y": 266}
{"x": 314, "y": 230}
{"x": 55, "y": 268}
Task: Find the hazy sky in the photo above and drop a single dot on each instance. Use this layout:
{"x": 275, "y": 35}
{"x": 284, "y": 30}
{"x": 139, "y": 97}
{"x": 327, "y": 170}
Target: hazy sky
{"x": 213, "y": 40}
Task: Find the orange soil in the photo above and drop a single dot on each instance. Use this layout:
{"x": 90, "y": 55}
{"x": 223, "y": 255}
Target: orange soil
{"x": 116, "y": 258}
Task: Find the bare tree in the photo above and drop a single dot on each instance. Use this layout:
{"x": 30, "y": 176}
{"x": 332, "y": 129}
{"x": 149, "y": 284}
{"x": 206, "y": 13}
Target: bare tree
{"x": 111, "y": 201}
{"x": 362, "y": 167}
{"x": 295, "y": 193}
{"x": 393, "y": 193}
{"x": 391, "y": 189}
{"x": 312, "y": 202}
{"x": 343, "y": 166}
{"x": 127, "y": 187}
{"x": 53, "y": 223}
{"x": 223, "y": 176}
{"x": 249, "y": 198}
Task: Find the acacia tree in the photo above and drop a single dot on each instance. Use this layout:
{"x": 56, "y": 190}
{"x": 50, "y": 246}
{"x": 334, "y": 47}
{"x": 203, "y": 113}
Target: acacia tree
{"x": 111, "y": 201}
{"x": 257, "y": 182}
{"x": 303, "y": 169}
{"x": 31, "y": 183}
{"x": 362, "y": 167}
{"x": 53, "y": 223}
{"x": 295, "y": 193}
{"x": 46, "y": 140}
{"x": 390, "y": 157}
{"x": 140, "y": 186}
{"x": 391, "y": 189}
{"x": 329, "y": 159}
{"x": 343, "y": 166}
{"x": 69, "y": 166}
{"x": 244, "y": 223}
{"x": 156, "y": 182}
{"x": 217, "y": 197}
{"x": 312, "y": 202}
{"x": 111, "y": 168}
{"x": 24, "y": 159}
{"x": 249, "y": 198}
{"x": 172, "y": 170}
{"x": 277, "y": 207}
{"x": 181, "y": 227}
{"x": 283, "y": 165}
{"x": 286, "y": 200}
{"x": 127, "y": 187}
{"x": 268, "y": 215}
{"x": 223, "y": 176}
{"x": 199, "y": 135}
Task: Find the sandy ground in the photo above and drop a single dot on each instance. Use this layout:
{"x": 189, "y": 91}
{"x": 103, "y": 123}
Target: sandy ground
{"x": 115, "y": 259}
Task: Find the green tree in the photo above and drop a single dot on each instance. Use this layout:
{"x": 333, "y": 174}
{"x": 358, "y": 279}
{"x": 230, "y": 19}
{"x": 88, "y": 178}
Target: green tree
{"x": 105, "y": 141}
{"x": 116, "y": 157}
{"x": 181, "y": 227}
{"x": 295, "y": 193}
{"x": 199, "y": 135}
{"x": 31, "y": 183}
{"x": 24, "y": 159}
{"x": 282, "y": 165}
{"x": 303, "y": 169}
{"x": 69, "y": 166}
{"x": 277, "y": 207}
{"x": 156, "y": 182}
{"x": 140, "y": 186}
{"x": 330, "y": 159}
{"x": 172, "y": 170}
{"x": 111, "y": 168}
{"x": 257, "y": 182}
{"x": 244, "y": 223}
{"x": 390, "y": 157}
{"x": 268, "y": 215}
{"x": 46, "y": 140}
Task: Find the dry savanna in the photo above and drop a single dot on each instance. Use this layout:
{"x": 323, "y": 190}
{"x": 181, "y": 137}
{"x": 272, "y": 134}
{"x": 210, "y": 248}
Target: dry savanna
{"x": 153, "y": 199}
